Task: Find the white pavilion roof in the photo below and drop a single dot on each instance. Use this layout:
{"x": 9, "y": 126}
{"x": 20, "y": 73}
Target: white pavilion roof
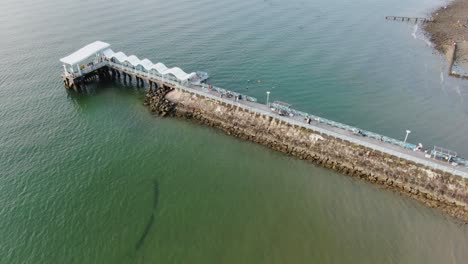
{"x": 146, "y": 64}
{"x": 85, "y": 52}
{"x": 161, "y": 68}
{"x": 179, "y": 73}
{"x": 108, "y": 53}
{"x": 120, "y": 56}
{"x": 133, "y": 60}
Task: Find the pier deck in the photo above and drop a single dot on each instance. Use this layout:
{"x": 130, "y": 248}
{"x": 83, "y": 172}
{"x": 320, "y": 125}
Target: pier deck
{"x": 115, "y": 69}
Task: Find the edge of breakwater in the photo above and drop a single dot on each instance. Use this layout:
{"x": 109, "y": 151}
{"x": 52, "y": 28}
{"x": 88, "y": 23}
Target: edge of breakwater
{"x": 435, "y": 189}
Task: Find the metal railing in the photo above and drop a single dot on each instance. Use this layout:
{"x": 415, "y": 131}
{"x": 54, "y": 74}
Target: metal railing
{"x": 346, "y": 127}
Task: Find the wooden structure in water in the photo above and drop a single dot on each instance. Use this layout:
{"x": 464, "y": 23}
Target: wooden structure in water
{"x": 409, "y": 19}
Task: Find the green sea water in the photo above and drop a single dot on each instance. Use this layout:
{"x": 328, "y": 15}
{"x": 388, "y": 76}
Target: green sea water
{"x": 77, "y": 173}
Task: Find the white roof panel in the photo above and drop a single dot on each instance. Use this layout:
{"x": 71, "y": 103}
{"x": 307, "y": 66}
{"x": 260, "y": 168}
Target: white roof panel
{"x": 146, "y": 64}
{"x": 133, "y": 60}
{"x": 108, "y": 53}
{"x": 85, "y": 52}
{"x": 120, "y": 56}
{"x": 161, "y": 68}
{"x": 179, "y": 73}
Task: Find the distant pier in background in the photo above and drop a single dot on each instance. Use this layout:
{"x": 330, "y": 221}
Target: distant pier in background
{"x": 409, "y": 19}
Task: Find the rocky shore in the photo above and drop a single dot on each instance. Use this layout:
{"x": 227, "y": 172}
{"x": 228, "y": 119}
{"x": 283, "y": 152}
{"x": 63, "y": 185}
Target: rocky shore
{"x": 436, "y": 189}
{"x": 449, "y": 26}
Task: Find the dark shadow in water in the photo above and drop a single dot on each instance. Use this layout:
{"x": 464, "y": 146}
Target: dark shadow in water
{"x": 151, "y": 220}
{"x": 156, "y": 195}
{"x": 93, "y": 89}
{"x": 145, "y": 233}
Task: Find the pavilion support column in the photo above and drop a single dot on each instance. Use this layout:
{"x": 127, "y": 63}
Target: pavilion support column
{"x": 78, "y": 67}
{"x": 100, "y": 75}
{"x": 105, "y": 75}
{"x": 109, "y": 75}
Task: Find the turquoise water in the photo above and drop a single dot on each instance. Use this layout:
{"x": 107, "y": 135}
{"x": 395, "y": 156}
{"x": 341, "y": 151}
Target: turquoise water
{"x": 77, "y": 172}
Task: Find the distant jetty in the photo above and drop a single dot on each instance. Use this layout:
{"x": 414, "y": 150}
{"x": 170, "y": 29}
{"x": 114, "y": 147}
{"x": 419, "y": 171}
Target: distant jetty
{"x": 437, "y": 177}
{"x": 409, "y": 19}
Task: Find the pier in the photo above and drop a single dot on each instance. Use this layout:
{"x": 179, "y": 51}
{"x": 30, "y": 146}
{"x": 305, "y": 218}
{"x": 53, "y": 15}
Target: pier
{"x": 409, "y": 19}
{"x": 97, "y": 61}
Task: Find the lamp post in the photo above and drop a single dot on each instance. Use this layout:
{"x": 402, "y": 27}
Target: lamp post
{"x": 406, "y": 137}
{"x": 268, "y": 98}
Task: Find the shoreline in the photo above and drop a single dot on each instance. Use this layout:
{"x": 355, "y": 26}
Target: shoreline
{"x": 433, "y": 188}
{"x": 449, "y": 26}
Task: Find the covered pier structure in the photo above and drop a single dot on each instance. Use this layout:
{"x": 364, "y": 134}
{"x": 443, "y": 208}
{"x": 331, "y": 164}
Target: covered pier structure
{"x": 98, "y": 60}
{"x": 84, "y": 64}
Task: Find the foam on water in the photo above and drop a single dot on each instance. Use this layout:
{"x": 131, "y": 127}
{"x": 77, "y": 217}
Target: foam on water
{"x": 419, "y": 34}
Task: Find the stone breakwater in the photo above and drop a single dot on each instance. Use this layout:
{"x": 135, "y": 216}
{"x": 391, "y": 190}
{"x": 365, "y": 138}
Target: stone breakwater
{"x": 434, "y": 188}
{"x": 156, "y": 101}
